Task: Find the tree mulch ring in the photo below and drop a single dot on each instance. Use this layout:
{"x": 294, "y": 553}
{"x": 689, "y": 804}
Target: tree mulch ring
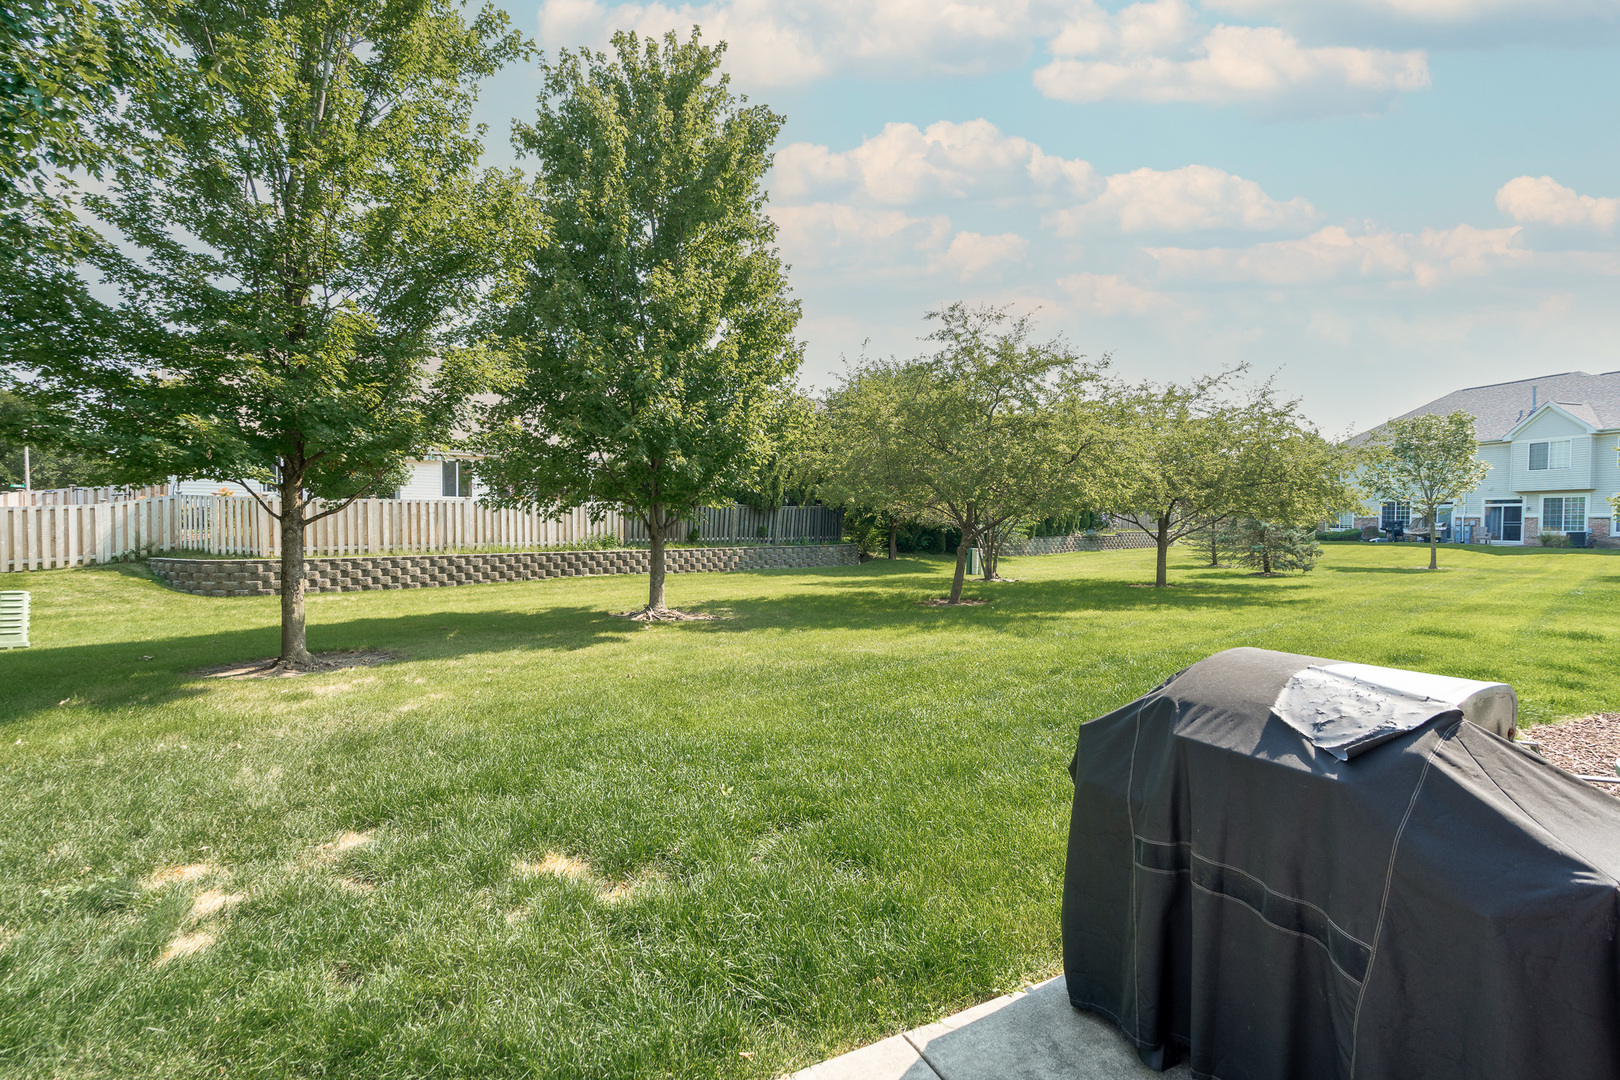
{"x": 271, "y": 667}
{"x": 656, "y": 615}
{"x": 942, "y": 601}
{"x": 1585, "y": 746}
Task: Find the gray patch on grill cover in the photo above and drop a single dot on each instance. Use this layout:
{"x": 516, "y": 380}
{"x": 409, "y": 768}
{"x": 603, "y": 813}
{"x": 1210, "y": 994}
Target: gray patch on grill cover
{"x": 1347, "y": 709}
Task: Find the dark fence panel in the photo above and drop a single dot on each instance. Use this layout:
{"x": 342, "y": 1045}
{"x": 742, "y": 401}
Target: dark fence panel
{"x": 739, "y": 525}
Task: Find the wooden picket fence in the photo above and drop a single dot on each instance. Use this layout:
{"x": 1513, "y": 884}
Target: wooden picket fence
{"x": 80, "y": 496}
{"x": 739, "y": 524}
{"x": 45, "y": 537}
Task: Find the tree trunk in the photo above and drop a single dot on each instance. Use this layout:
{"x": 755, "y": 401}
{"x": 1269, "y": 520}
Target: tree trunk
{"x": 655, "y": 560}
{"x": 894, "y": 539}
{"x": 294, "y": 652}
{"x": 1214, "y": 545}
{"x": 987, "y": 546}
{"x": 1161, "y": 575}
{"x": 1434, "y": 532}
{"x": 961, "y": 568}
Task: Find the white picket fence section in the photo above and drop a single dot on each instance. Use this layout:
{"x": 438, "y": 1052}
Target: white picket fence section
{"x": 80, "y": 496}
{"x": 46, "y": 537}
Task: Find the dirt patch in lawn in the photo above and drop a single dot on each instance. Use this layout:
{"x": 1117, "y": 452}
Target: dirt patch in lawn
{"x": 1586, "y": 746}
{"x": 185, "y": 945}
{"x": 212, "y": 902}
{"x": 269, "y": 667}
{"x": 169, "y": 875}
{"x": 941, "y": 601}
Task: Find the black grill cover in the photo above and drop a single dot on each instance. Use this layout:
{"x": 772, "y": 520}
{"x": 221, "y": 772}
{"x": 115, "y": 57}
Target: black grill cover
{"x": 1443, "y": 905}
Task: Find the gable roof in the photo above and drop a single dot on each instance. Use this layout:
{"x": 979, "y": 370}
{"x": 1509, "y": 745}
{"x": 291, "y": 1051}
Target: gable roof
{"x": 1500, "y": 407}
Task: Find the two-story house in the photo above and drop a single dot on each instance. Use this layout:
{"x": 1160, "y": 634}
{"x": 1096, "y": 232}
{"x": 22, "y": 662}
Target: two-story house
{"x": 1551, "y": 445}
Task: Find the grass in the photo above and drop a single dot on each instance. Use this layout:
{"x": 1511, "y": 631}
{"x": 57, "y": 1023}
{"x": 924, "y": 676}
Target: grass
{"x": 551, "y": 842}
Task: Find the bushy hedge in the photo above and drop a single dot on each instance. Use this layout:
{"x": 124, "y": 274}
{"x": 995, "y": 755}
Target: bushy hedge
{"x": 1339, "y": 534}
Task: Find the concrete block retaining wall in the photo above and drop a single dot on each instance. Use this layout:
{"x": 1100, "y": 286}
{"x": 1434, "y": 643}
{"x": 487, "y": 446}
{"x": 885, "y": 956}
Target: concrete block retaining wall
{"x": 262, "y": 577}
{"x": 1059, "y": 545}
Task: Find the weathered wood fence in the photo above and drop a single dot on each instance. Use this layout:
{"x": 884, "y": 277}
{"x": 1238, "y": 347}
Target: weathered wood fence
{"x": 80, "y": 496}
{"x": 45, "y": 537}
{"x": 739, "y": 524}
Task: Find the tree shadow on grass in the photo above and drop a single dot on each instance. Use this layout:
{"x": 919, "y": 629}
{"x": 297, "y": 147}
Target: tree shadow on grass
{"x": 160, "y": 671}
{"x": 889, "y": 601}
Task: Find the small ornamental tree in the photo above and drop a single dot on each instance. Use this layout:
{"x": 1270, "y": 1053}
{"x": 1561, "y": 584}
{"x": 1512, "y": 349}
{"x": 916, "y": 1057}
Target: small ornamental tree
{"x": 296, "y": 236}
{"x": 654, "y": 337}
{"x": 1182, "y": 466}
{"x": 990, "y": 429}
{"x": 1427, "y": 461}
{"x": 862, "y": 463}
{"x": 1200, "y": 460}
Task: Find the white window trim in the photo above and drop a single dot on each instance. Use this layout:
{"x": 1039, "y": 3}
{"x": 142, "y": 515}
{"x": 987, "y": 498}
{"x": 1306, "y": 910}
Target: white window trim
{"x": 1551, "y": 466}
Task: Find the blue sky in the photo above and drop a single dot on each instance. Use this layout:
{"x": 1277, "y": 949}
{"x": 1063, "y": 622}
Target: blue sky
{"x": 1378, "y": 200}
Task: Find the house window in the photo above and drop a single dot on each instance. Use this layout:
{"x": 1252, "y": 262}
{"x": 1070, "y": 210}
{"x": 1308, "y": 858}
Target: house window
{"x": 1395, "y": 514}
{"x": 1553, "y": 454}
{"x": 1564, "y": 514}
{"x": 457, "y": 480}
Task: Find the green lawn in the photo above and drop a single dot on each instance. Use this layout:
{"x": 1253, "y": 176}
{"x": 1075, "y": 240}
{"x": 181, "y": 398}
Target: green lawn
{"x": 831, "y": 816}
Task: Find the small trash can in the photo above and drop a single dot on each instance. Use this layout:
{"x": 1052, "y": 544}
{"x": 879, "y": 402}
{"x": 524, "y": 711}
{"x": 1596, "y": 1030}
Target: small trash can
{"x": 13, "y": 620}
{"x": 975, "y": 562}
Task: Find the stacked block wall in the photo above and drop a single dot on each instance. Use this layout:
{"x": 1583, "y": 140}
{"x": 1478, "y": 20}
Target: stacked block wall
{"x": 262, "y": 577}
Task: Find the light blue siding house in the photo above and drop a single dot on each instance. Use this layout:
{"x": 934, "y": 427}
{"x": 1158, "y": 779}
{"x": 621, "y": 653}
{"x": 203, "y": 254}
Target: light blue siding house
{"x": 1551, "y": 445}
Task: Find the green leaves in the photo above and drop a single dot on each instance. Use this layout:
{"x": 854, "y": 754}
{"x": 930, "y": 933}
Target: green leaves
{"x": 300, "y": 238}
{"x": 654, "y": 333}
{"x": 1426, "y": 460}
{"x": 991, "y": 429}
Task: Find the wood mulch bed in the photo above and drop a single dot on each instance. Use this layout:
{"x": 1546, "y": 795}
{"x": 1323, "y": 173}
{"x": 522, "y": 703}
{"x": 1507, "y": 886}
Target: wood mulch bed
{"x": 1586, "y": 746}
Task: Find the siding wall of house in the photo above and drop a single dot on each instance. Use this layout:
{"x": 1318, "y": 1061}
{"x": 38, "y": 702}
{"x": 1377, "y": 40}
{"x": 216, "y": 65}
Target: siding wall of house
{"x": 427, "y": 482}
{"x": 1605, "y": 475}
{"x": 1497, "y": 483}
{"x": 1578, "y": 477}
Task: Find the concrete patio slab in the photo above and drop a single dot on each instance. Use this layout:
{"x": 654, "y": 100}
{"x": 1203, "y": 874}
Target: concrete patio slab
{"x": 1031, "y": 1035}
{"x": 892, "y": 1059}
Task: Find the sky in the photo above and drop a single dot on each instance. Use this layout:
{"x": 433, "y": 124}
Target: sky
{"x": 1375, "y": 202}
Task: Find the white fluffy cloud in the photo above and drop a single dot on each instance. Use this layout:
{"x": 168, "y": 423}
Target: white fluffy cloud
{"x": 1158, "y": 51}
{"x": 1533, "y": 200}
{"x": 822, "y": 235}
{"x": 1337, "y": 254}
{"x": 1438, "y": 22}
{"x": 1183, "y": 200}
{"x": 905, "y": 164}
{"x": 974, "y": 257}
{"x": 787, "y": 42}
{"x": 1111, "y": 294}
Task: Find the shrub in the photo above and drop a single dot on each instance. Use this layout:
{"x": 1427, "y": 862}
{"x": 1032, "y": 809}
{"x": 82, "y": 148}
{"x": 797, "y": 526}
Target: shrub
{"x": 1339, "y": 534}
{"x": 1269, "y": 547}
{"x": 1553, "y": 539}
{"x": 693, "y": 535}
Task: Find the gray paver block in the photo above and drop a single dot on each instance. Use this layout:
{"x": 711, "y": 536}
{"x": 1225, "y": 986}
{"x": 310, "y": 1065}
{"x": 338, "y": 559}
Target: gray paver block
{"x": 892, "y": 1059}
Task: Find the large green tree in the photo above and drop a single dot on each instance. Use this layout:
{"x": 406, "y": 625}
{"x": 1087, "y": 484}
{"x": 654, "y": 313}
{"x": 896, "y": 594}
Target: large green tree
{"x": 993, "y": 427}
{"x": 654, "y": 336}
{"x": 1427, "y": 461}
{"x": 297, "y": 235}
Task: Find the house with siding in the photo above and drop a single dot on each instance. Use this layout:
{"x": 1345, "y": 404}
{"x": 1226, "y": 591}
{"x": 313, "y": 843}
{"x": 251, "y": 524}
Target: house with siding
{"x": 1551, "y": 444}
{"x": 433, "y": 476}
